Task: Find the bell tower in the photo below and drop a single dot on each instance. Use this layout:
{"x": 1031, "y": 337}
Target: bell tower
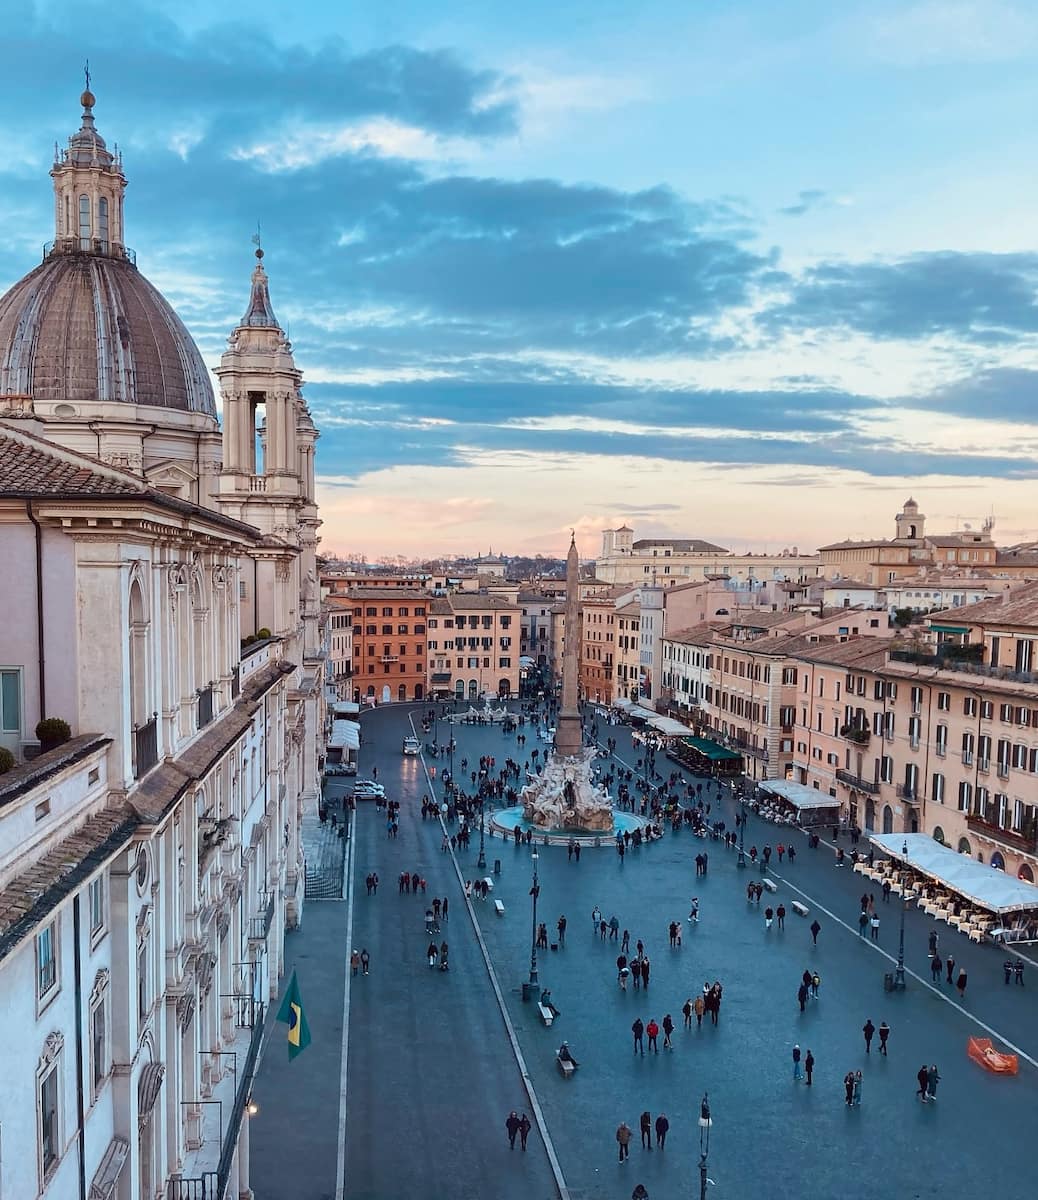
{"x": 910, "y": 521}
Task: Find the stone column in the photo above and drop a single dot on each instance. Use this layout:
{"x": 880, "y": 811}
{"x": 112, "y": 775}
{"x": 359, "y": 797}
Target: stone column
{"x": 244, "y": 1189}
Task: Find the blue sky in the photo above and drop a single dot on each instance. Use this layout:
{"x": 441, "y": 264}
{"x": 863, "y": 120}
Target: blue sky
{"x": 742, "y": 271}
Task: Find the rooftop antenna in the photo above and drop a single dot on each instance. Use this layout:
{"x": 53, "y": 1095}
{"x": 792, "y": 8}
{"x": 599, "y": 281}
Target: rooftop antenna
{"x": 86, "y": 74}
{"x": 257, "y": 240}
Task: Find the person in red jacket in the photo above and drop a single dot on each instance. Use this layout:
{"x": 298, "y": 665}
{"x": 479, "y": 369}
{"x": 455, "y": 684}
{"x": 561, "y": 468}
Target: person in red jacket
{"x": 653, "y": 1032}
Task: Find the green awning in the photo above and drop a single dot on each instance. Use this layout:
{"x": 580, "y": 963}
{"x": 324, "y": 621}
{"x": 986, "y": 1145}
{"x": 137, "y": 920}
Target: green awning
{"x": 441, "y": 677}
{"x": 950, "y": 628}
{"x": 709, "y": 749}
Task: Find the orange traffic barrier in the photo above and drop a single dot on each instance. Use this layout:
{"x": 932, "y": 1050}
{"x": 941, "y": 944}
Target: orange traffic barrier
{"x": 985, "y": 1055}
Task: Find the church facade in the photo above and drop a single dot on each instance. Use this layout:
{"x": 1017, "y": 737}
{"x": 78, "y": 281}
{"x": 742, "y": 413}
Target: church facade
{"x": 162, "y": 621}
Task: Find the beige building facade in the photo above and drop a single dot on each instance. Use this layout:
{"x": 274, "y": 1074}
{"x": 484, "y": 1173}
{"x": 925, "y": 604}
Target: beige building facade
{"x": 474, "y": 646}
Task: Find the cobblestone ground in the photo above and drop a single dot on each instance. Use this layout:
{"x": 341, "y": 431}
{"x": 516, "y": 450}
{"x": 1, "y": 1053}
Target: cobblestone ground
{"x": 431, "y": 1076}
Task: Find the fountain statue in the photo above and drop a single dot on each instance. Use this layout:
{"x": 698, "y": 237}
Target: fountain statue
{"x": 564, "y": 795}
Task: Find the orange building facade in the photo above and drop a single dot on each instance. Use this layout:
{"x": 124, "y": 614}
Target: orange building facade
{"x": 389, "y": 644}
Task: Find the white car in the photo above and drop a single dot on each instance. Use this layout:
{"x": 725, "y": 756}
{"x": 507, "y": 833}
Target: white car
{"x": 367, "y": 789}
{"x": 411, "y": 745}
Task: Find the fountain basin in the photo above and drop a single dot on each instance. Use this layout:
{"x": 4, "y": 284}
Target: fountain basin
{"x": 504, "y": 821}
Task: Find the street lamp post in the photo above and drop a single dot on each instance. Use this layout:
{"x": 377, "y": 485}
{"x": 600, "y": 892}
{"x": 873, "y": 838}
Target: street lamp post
{"x": 481, "y": 862}
{"x": 534, "y": 985}
{"x": 705, "y": 1122}
{"x": 899, "y": 972}
{"x": 741, "y": 862}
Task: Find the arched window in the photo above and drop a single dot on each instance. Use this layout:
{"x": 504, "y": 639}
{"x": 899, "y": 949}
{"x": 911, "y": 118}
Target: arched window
{"x": 68, "y": 215}
{"x": 459, "y": 688}
{"x": 139, "y": 708}
{"x": 84, "y": 222}
{"x": 964, "y": 846}
{"x": 938, "y": 835}
{"x": 1025, "y": 873}
{"x": 888, "y": 819}
{"x": 102, "y": 222}
{"x": 997, "y": 861}
{"x": 473, "y": 689}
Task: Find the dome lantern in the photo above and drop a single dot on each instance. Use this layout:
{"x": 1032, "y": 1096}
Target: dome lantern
{"x": 88, "y": 192}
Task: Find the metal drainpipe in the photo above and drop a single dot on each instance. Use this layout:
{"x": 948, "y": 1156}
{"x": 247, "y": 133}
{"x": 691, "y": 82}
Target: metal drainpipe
{"x": 80, "y": 1109}
{"x": 41, "y": 653}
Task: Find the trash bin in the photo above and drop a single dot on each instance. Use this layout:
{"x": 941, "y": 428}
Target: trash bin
{"x": 497, "y": 866}
{"x": 888, "y": 982}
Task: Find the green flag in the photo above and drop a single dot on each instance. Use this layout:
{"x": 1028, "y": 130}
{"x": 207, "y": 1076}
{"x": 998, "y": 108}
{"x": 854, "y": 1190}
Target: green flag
{"x": 291, "y": 1012}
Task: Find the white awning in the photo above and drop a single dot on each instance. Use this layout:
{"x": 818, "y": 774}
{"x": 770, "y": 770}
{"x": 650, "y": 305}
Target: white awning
{"x": 345, "y": 735}
{"x": 345, "y": 708}
{"x": 669, "y": 727}
{"x": 646, "y": 714}
{"x": 985, "y": 886}
{"x": 797, "y": 794}
{"x": 622, "y": 703}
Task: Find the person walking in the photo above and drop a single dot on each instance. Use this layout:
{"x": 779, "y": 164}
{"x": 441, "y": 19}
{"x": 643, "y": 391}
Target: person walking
{"x": 561, "y": 926}
{"x": 816, "y": 929}
{"x": 623, "y": 1140}
{"x": 874, "y": 924}
{"x": 949, "y": 966}
{"x": 625, "y": 942}
{"x": 596, "y": 917}
{"x": 365, "y": 961}
{"x": 780, "y": 913}
{"x": 797, "y": 1068}
{"x": 848, "y": 1088}
{"x": 936, "y": 968}
{"x": 884, "y": 1033}
{"x": 652, "y": 1031}
{"x": 686, "y": 1012}
{"x": 662, "y": 1126}
{"x": 768, "y": 917}
{"x": 1018, "y": 972}
{"x": 645, "y": 971}
{"x": 922, "y": 1076}
{"x": 354, "y": 963}
{"x": 868, "y": 1029}
{"x": 699, "y": 1008}
{"x": 1007, "y": 967}
{"x": 816, "y": 983}
{"x": 933, "y": 1078}
{"x": 512, "y": 1125}
{"x": 636, "y": 972}
{"x": 433, "y": 953}
{"x": 645, "y": 1124}
{"x": 857, "y": 1088}
{"x": 960, "y": 983}
{"x": 802, "y": 994}
{"x": 524, "y": 1130}
{"x": 863, "y": 922}
{"x": 809, "y": 1059}
{"x": 668, "y": 1029}
{"x": 638, "y": 1029}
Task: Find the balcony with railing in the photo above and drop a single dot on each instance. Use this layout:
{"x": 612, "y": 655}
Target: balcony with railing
{"x": 259, "y": 926}
{"x": 870, "y": 786}
{"x": 858, "y": 734}
{"x": 218, "y": 1116}
{"x": 145, "y": 747}
{"x": 1025, "y": 838}
{"x": 908, "y": 792}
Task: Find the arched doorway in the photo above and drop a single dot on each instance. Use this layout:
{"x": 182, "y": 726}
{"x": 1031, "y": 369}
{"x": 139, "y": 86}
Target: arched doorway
{"x": 401, "y": 692}
{"x": 938, "y": 836}
{"x": 504, "y": 688}
{"x": 888, "y": 819}
{"x": 371, "y": 690}
{"x": 964, "y": 846}
{"x": 387, "y": 695}
{"x": 473, "y": 690}
{"x": 419, "y": 691}
{"x": 870, "y": 815}
{"x": 997, "y": 861}
{"x": 1025, "y": 873}
{"x": 459, "y": 688}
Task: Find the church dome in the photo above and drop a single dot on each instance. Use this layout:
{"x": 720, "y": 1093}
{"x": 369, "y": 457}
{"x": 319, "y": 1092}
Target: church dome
{"x": 85, "y": 328}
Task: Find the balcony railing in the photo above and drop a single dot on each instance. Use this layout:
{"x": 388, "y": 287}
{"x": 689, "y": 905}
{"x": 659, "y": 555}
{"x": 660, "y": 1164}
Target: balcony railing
{"x": 909, "y": 792}
{"x": 145, "y": 747}
{"x": 856, "y": 781}
{"x": 205, "y": 1187}
{"x": 1024, "y": 839}
{"x": 206, "y": 706}
{"x": 259, "y": 926}
{"x": 856, "y": 733}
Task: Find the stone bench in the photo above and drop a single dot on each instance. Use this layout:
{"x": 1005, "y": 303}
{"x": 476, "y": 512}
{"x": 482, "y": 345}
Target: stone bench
{"x": 547, "y": 1016}
{"x": 567, "y": 1068}
{"x": 769, "y": 884}
{"x": 499, "y": 908}
{"x": 799, "y": 908}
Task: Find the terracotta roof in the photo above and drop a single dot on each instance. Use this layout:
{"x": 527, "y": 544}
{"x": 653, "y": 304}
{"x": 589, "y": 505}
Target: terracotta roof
{"x": 385, "y": 593}
{"x": 861, "y": 653}
{"x": 681, "y": 545}
{"x": 697, "y": 635}
{"x": 41, "y": 887}
{"x": 1018, "y": 607}
{"x": 31, "y": 467}
{"x": 34, "y": 468}
{"x": 25, "y": 776}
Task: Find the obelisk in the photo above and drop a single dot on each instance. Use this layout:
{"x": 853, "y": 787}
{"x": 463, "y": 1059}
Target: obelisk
{"x": 568, "y": 738}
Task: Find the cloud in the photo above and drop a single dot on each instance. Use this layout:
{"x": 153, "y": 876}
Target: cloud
{"x": 987, "y": 298}
{"x": 806, "y": 201}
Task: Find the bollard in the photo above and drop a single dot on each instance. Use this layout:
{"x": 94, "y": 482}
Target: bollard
{"x": 497, "y": 866}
